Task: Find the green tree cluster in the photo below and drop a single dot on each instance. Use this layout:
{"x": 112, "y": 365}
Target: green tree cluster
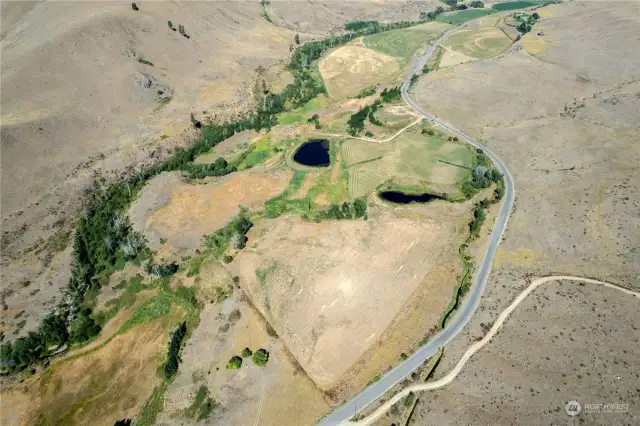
{"x": 432, "y": 15}
{"x": 348, "y": 210}
{"x": 391, "y": 95}
{"x": 260, "y": 357}
{"x": 234, "y": 233}
{"x": 234, "y": 363}
{"x": 173, "y": 353}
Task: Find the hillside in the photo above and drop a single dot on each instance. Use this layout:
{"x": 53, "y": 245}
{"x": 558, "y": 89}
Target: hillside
{"x": 91, "y": 89}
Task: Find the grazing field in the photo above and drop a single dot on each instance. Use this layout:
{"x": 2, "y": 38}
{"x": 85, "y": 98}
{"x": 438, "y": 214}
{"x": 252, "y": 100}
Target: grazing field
{"x": 351, "y": 68}
{"x": 356, "y": 151}
{"x": 364, "y": 178}
{"x": 467, "y": 45}
{"x": 405, "y": 42}
{"x": 462, "y": 16}
{"x": 412, "y": 159}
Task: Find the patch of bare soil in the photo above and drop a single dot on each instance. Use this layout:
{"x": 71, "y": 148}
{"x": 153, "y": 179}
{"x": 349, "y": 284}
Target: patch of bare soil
{"x": 332, "y": 289}
{"x": 565, "y": 342}
{"x": 182, "y": 213}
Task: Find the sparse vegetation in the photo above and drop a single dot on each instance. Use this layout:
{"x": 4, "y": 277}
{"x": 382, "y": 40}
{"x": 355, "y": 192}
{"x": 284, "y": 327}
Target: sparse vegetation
{"x": 202, "y": 406}
{"x": 145, "y": 62}
{"x": 260, "y": 357}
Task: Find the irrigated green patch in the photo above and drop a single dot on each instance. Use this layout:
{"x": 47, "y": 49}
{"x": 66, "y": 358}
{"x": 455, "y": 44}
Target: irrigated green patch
{"x": 404, "y": 43}
{"x": 462, "y": 16}
{"x": 301, "y": 115}
{"x": 513, "y": 5}
{"x": 416, "y": 162}
{"x": 258, "y": 154}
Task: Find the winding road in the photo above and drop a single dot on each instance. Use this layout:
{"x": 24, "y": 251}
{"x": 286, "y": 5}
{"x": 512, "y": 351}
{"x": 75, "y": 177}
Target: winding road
{"x": 342, "y": 414}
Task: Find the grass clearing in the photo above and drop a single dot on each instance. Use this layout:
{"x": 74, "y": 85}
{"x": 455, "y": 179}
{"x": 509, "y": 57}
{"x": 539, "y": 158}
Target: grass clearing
{"x": 412, "y": 160}
{"x": 259, "y": 153}
{"x": 476, "y": 44}
{"x": 404, "y": 43}
{"x": 462, "y": 16}
{"x": 301, "y": 115}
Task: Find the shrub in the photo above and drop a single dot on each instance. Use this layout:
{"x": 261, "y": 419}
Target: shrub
{"x": 261, "y": 357}
{"x": 455, "y": 138}
{"x": 227, "y": 259}
{"x": 368, "y": 134}
{"x": 234, "y": 363}
{"x": 403, "y": 356}
{"x": 170, "y": 24}
{"x": 134, "y": 6}
{"x": 246, "y": 352}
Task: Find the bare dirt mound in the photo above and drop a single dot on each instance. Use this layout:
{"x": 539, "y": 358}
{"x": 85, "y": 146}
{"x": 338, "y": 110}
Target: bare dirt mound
{"x": 349, "y": 69}
{"x": 172, "y": 212}
{"x": 331, "y": 289}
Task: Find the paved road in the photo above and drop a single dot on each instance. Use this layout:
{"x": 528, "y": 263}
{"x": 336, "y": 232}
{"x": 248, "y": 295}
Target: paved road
{"x": 471, "y": 302}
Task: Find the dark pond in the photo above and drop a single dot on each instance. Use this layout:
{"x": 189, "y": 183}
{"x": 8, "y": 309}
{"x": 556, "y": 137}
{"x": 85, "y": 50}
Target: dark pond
{"x": 313, "y": 153}
{"x": 402, "y": 198}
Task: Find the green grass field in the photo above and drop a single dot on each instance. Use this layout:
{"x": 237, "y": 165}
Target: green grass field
{"x": 412, "y": 160}
{"x": 405, "y": 42}
{"x": 462, "y": 16}
{"x": 513, "y": 5}
{"x": 431, "y": 159}
{"x": 302, "y": 114}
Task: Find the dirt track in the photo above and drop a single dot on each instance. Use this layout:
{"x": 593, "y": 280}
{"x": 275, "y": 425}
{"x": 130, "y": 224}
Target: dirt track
{"x": 479, "y": 345}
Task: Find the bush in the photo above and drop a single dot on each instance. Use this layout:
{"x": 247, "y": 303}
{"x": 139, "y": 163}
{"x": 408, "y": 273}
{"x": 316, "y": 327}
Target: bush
{"x": 261, "y": 357}
{"x": 134, "y": 6}
{"x": 246, "y": 352}
{"x": 455, "y": 139}
{"x": 234, "y": 363}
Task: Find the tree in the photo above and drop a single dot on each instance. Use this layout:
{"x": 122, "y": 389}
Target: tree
{"x": 535, "y": 16}
{"x": 297, "y": 39}
{"x": 476, "y": 4}
{"x": 134, "y": 6}
{"x": 246, "y": 352}
{"x": 234, "y": 363}
{"x": 83, "y": 327}
{"x": 53, "y": 330}
{"x": 170, "y": 24}
{"x": 260, "y": 357}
